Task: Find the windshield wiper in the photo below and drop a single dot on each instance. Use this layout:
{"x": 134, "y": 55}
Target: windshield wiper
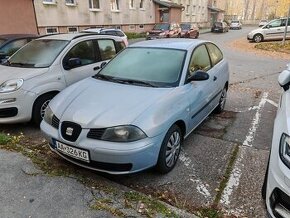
{"x": 20, "y": 64}
{"x": 103, "y": 77}
{"x": 132, "y": 81}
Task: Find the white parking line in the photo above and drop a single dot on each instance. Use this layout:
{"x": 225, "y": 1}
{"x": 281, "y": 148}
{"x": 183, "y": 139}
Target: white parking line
{"x": 255, "y": 123}
{"x": 200, "y": 186}
{"x": 272, "y": 103}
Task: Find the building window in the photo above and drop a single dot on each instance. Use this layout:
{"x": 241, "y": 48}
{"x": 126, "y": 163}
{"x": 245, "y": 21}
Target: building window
{"x": 142, "y": 4}
{"x": 94, "y": 4}
{"x": 51, "y": 30}
{"x": 132, "y": 27}
{"x": 115, "y": 5}
{"x": 72, "y": 29}
{"x": 141, "y": 26}
{"x": 187, "y": 9}
{"x": 132, "y": 5}
{"x": 70, "y": 2}
{"x": 52, "y": 2}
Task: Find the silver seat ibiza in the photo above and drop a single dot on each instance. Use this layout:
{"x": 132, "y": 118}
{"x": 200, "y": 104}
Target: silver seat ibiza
{"x": 135, "y": 113}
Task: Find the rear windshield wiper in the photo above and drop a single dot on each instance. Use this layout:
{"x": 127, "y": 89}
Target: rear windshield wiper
{"x": 132, "y": 81}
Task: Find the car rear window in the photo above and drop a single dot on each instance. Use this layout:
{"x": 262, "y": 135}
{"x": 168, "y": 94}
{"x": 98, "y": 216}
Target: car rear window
{"x": 161, "y": 26}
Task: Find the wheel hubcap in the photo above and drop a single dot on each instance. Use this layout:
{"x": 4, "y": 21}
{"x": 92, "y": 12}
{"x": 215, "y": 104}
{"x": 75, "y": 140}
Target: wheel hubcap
{"x": 258, "y": 38}
{"x": 43, "y": 107}
{"x": 173, "y": 149}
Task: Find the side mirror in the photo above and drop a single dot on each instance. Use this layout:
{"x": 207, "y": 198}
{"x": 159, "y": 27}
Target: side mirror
{"x": 198, "y": 76}
{"x": 284, "y": 79}
{"x": 72, "y": 63}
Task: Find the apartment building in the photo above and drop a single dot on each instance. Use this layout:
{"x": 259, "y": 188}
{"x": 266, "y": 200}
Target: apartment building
{"x": 66, "y": 16}
{"x": 17, "y": 17}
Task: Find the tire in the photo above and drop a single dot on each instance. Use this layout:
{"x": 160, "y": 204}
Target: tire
{"x": 264, "y": 187}
{"x": 170, "y": 150}
{"x": 222, "y": 101}
{"x": 258, "y": 38}
{"x": 39, "y": 107}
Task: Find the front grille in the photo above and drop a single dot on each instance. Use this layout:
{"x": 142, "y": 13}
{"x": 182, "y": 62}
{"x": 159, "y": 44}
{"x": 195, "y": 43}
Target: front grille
{"x": 280, "y": 203}
{"x": 55, "y": 122}
{"x": 121, "y": 167}
{"x": 96, "y": 133}
{"x": 70, "y": 131}
{"x": 8, "y": 112}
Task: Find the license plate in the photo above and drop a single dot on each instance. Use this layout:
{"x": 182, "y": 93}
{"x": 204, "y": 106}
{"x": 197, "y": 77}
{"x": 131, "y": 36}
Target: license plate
{"x": 73, "y": 152}
{"x": 216, "y": 29}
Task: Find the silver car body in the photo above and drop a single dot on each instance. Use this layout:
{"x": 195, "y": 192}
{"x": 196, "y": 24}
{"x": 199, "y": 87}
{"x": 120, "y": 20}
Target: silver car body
{"x": 93, "y": 103}
{"x": 40, "y": 81}
{"x": 277, "y": 178}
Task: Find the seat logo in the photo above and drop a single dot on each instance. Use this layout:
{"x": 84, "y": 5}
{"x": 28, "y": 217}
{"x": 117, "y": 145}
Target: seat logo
{"x": 69, "y": 131}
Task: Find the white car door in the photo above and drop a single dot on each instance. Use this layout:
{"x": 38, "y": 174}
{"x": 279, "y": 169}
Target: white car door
{"x": 274, "y": 29}
{"x": 87, "y": 57}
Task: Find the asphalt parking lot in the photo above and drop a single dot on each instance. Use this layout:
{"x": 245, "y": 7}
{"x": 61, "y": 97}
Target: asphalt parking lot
{"x": 223, "y": 161}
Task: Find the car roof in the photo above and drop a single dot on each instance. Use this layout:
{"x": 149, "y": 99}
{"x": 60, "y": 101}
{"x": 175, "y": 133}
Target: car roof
{"x": 183, "y": 44}
{"x": 71, "y": 36}
{"x": 17, "y": 36}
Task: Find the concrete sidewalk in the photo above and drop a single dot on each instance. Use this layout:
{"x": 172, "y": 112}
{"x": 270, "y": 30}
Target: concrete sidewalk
{"x": 28, "y": 192}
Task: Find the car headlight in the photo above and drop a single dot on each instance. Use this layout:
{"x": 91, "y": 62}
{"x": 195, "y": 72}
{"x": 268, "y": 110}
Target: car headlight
{"x": 48, "y": 115}
{"x": 162, "y": 34}
{"x": 123, "y": 134}
{"x": 284, "y": 149}
{"x": 11, "y": 85}
{"x": 147, "y": 33}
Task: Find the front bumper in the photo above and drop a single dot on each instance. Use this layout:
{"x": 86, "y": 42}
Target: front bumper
{"x": 109, "y": 157}
{"x": 278, "y": 189}
{"x": 16, "y": 106}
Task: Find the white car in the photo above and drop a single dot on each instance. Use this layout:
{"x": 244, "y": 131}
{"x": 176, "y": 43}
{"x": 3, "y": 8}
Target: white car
{"x": 274, "y": 30}
{"x": 263, "y": 23}
{"x": 112, "y": 32}
{"x": 276, "y": 187}
{"x": 236, "y": 24}
{"x": 47, "y": 65}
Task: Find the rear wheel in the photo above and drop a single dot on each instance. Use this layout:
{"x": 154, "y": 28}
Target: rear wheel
{"x": 39, "y": 107}
{"x": 222, "y": 101}
{"x": 170, "y": 150}
{"x": 258, "y": 38}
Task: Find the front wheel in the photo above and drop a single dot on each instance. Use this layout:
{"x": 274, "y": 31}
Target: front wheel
{"x": 258, "y": 38}
{"x": 170, "y": 150}
{"x": 222, "y": 101}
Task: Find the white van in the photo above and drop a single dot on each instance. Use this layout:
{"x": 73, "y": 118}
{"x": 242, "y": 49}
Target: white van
{"x": 274, "y": 30}
{"x": 47, "y": 65}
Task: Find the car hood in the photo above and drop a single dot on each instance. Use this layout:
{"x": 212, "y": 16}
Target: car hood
{"x": 8, "y": 73}
{"x": 256, "y": 31}
{"x": 94, "y": 103}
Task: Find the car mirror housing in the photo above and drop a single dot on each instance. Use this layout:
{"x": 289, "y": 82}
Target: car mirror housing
{"x": 198, "y": 76}
{"x": 73, "y": 63}
{"x": 284, "y": 79}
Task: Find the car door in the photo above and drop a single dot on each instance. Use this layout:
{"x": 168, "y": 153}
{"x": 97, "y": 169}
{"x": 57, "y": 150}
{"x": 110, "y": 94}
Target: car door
{"x": 274, "y": 30}
{"x": 92, "y": 54}
{"x": 201, "y": 94}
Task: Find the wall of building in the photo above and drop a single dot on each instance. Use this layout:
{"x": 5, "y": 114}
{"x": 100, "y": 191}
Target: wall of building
{"x": 80, "y": 15}
{"x": 17, "y": 17}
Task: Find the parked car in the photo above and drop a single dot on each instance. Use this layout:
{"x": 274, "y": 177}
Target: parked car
{"x": 135, "y": 113}
{"x": 220, "y": 27}
{"x": 189, "y": 30}
{"x": 236, "y": 24}
{"x": 42, "y": 68}
{"x": 274, "y": 30}
{"x": 263, "y": 23}
{"x": 276, "y": 187}
{"x": 164, "y": 30}
{"x": 112, "y": 32}
{"x": 10, "y": 43}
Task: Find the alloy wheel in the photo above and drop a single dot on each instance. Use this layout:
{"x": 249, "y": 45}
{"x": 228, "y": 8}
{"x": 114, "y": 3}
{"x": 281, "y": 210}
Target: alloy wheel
{"x": 173, "y": 149}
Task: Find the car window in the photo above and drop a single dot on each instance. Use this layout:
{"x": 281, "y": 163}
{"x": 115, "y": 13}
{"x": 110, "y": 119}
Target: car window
{"x": 84, "y": 51}
{"x": 275, "y": 23}
{"x": 13, "y": 46}
{"x": 284, "y": 22}
{"x": 119, "y": 33}
{"x": 214, "y": 53}
{"x": 2, "y": 41}
{"x": 107, "y": 49}
{"x": 199, "y": 60}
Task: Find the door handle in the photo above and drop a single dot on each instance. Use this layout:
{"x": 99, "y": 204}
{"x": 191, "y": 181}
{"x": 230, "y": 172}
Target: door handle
{"x": 214, "y": 78}
{"x": 97, "y": 68}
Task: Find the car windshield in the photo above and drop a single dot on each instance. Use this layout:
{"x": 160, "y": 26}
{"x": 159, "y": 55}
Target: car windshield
{"x": 235, "y": 21}
{"x": 263, "y": 20}
{"x": 38, "y": 53}
{"x": 218, "y": 24}
{"x": 2, "y": 41}
{"x": 156, "y": 67}
{"x": 185, "y": 26}
{"x": 161, "y": 26}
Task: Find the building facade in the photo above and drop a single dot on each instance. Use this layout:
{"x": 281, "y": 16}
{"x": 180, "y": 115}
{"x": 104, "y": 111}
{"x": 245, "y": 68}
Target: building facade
{"x": 17, "y": 17}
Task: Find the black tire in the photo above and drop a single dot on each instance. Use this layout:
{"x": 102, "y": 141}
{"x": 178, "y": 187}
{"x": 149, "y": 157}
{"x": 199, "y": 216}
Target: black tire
{"x": 258, "y": 38}
{"x": 264, "y": 187}
{"x": 39, "y": 107}
{"x": 222, "y": 101}
{"x": 168, "y": 156}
